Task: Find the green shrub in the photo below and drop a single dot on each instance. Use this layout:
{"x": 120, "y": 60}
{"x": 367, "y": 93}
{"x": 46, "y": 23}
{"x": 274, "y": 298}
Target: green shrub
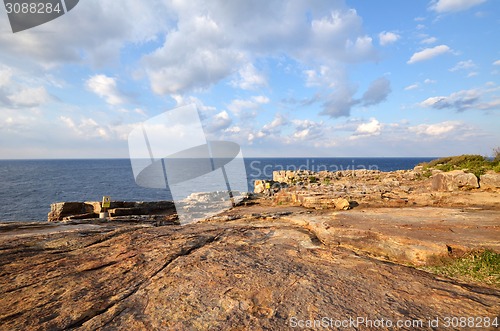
{"x": 475, "y": 164}
{"x": 478, "y": 266}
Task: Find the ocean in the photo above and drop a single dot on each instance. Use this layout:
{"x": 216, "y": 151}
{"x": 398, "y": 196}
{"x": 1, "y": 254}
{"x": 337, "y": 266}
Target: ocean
{"x": 28, "y": 187}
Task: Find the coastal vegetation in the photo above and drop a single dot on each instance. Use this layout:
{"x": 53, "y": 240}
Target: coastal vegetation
{"x": 476, "y": 164}
{"x": 480, "y": 266}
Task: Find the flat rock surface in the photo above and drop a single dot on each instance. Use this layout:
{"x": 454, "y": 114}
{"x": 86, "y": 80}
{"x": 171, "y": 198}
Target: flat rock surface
{"x": 268, "y": 271}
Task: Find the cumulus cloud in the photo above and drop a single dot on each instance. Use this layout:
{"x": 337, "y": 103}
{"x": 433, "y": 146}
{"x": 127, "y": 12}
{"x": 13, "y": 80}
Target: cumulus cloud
{"x": 249, "y": 78}
{"x": 428, "y": 53}
{"x": 459, "y": 100}
{"x": 496, "y": 63}
{"x": 464, "y": 100}
{"x": 219, "y": 122}
{"x": 368, "y": 129}
{"x": 386, "y": 38}
{"x": 105, "y": 87}
{"x": 274, "y": 127}
{"x": 377, "y": 92}
{"x": 86, "y": 127}
{"x": 437, "y": 129}
{"x": 307, "y": 130}
{"x": 443, "y": 6}
{"x": 29, "y": 97}
{"x": 112, "y": 25}
{"x": 214, "y": 40}
{"x": 240, "y": 106}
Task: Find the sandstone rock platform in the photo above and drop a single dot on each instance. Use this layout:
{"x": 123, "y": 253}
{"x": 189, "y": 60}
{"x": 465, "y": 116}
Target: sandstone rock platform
{"x": 259, "y": 267}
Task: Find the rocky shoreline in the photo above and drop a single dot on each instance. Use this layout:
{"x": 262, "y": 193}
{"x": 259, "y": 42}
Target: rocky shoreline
{"x": 307, "y": 245}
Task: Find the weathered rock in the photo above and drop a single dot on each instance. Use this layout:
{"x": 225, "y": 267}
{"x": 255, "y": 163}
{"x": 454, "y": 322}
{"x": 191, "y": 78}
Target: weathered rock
{"x": 341, "y": 204}
{"x": 248, "y": 274}
{"x": 418, "y": 168}
{"x": 490, "y": 180}
{"x": 259, "y": 186}
{"x": 454, "y": 180}
{"x": 91, "y": 209}
{"x": 60, "y": 210}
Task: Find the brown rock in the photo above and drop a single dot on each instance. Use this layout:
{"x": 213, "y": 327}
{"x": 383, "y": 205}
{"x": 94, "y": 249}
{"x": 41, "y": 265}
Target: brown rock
{"x": 259, "y": 186}
{"x": 341, "y": 204}
{"x": 60, "y": 210}
{"x": 454, "y": 180}
{"x": 490, "y": 180}
{"x": 246, "y": 274}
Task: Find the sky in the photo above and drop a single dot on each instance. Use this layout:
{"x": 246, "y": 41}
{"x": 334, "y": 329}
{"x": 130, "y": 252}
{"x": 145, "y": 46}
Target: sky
{"x": 294, "y": 78}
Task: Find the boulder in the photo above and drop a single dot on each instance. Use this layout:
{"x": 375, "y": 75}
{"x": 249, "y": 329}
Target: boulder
{"x": 490, "y": 180}
{"x": 341, "y": 204}
{"x": 454, "y": 180}
{"x": 259, "y": 186}
{"x": 60, "y": 210}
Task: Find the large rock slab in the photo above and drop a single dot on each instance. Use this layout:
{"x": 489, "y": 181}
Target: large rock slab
{"x": 490, "y": 180}
{"x": 60, "y": 210}
{"x": 249, "y": 274}
{"x": 454, "y": 180}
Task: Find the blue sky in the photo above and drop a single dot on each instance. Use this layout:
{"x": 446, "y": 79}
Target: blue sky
{"x": 281, "y": 78}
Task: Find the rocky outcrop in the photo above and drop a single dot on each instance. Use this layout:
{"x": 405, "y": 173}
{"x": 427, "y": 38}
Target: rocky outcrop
{"x": 490, "y": 180}
{"x": 61, "y": 211}
{"x": 265, "y": 271}
{"x": 454, "y": 180}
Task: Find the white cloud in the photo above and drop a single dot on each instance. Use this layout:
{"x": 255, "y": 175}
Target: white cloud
{"x": 371, "y": 128}
{"x": 463, "y": 65}
{"x": 429, "y": 40}
{"x": 443, "y": 6}
{"x": 274, "y": 127}
{"x": 411, "y": 87}
{"x": 386, "y": 38}
{"x": 459, "y": 100}
{"x": 105, "y": 87}
{"x": 429, "y": 81}
{"x": 437, "y": 129}
{"x": 5, "y": 75}
{"x": 307, "y": 130}
{"x": 88, "y": 128}
{"x": 219, "y": 122}
{"x": 428, "y": 53}
{"x": 239, "y": 106}
{"x": 212, "y": 41}
{"x": 249, "y": 78}
{"x": 464, "y": 100}
{"x": 496, "y": 63}
{"x": 30, "y": 97}
{"x": 124, "y": 21}
{"x": 195, "y": 56}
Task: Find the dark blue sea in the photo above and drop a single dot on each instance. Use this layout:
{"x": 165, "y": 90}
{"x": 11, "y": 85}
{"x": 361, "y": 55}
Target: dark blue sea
{"x": 28, "y": 187}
